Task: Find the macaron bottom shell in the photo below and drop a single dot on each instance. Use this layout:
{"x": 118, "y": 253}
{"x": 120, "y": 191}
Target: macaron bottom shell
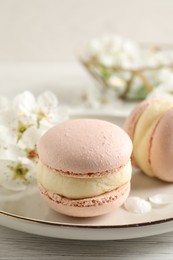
{"x": 89, "y": 207}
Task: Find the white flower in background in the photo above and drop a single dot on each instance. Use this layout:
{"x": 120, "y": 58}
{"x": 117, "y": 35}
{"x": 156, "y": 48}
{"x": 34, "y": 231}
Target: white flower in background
{"x": 160, "y": 57}
{"x": 162, "y": 91}
{"x": 113, "y": 50}
{"x": 165, "y": 76}
{"x": 94, "y": 47}
{"x": 16, "y": 170}
{"x": 28, "y": 142}
{"x": 9, "y": 151}
{"x": 22, "y": 122}
{"x": 97, "y": 99}
{"x": 43, "y": 110}
{"x": 117, "y": 82}
{"x": 164, "y": 87}
{"x": 24, "y": 102}
{"x": 17, "y": 159}
{"x": 17, "y": 174}
{"x": 16, "y": 124}
{"x": 47, "y": 109}
{"x": 106, "y": 60}
{"x": 106, "y": 57}
{"x": 7, "y": 136}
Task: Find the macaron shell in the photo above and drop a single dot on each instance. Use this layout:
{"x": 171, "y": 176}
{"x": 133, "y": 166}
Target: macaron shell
{"x": 85, "y": 146}
{"x": 161, "y": 150}
{"x": 91, "y": 207}
{"x": 132, "y": 119}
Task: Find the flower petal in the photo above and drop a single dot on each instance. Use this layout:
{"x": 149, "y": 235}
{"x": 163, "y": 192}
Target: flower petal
{"x": 137, "y": 205}
{"x": 47, "y": 100}
{"x": 7, "y": 135}
{"x": 16, "y": 175}
{"x": 24, "y": 102}
{"x": 30, "y": 138}
{"x": 9, "y": 151}
{"x": 161, "y": 199}
{"x": 55, "y": 116}
{"x": 21, "y": 126}
{"x": 8, "y": 118}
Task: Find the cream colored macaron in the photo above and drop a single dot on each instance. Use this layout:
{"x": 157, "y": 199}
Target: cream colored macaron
{"x": 84, "y": 167}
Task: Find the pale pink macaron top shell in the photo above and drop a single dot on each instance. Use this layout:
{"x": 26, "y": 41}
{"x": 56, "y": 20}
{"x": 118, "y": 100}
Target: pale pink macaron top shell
{"x": 161, "y": 151}
{"x": 85, "y": 146}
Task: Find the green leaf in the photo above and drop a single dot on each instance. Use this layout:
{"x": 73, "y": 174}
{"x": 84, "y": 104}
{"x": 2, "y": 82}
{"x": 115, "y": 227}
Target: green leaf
{"x": 105, "y": 73}
{"x": 139, "y": 94}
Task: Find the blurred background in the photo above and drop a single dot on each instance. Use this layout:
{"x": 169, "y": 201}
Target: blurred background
{"x": 52, "y": 30}
{"x": 40, "y": 41}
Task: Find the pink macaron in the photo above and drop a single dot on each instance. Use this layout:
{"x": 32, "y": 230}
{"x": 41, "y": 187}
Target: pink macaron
{"x": 84, "y": 167}
{"x": 155, "y": 140}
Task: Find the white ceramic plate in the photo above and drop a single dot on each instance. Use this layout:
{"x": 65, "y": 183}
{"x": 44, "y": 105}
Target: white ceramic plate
{"x": 27, "y": 212}
{"x": 30, "y": 214}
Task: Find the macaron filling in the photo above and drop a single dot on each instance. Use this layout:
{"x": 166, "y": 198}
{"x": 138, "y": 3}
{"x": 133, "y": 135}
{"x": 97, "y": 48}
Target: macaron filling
{"x": 77, "y": 188}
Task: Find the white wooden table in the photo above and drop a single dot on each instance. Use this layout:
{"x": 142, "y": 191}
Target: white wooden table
{"x": 16, "y": 245}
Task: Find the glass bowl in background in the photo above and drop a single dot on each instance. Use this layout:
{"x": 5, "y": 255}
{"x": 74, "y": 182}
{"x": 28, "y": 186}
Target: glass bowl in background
{"x": 125, "y": 70}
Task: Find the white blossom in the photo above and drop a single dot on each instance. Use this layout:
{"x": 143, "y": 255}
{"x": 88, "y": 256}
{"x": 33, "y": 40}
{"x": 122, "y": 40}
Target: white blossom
{"x": 16, "y": 123}
{"x": 130, "y": 68}
{"x": 22, "y": 122}
{"x": 162, "y": 91}
{"x": 114, "y": 50}
{"x": 43, "y": 110}
{"x": 16, "y": 175}
{"x": 28, "y": 142}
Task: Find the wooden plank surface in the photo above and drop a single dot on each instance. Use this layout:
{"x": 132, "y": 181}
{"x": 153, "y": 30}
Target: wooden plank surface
{"x": 17, "y": 245}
